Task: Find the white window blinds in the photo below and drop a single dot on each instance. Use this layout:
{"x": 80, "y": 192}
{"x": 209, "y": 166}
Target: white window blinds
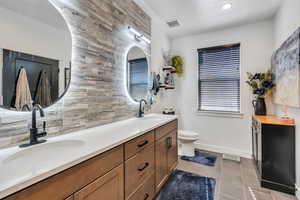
{"x": 219, "y": 79}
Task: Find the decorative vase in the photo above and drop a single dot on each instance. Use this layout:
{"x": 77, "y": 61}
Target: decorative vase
{"x": 259, "y": 106}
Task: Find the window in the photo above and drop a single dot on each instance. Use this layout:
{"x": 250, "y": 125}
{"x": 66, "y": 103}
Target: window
{"x": 219, "y": 79}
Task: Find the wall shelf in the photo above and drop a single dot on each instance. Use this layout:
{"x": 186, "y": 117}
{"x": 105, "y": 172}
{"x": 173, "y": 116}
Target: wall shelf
{"x": 170, "y": 69}
{"x": 167, "y": 87}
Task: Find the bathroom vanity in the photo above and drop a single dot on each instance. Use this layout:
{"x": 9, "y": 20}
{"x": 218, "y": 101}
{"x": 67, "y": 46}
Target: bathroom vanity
{"x": 132, "y": 161}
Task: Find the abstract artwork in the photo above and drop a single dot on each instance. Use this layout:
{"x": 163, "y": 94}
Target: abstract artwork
{"x": 286, "y": 67}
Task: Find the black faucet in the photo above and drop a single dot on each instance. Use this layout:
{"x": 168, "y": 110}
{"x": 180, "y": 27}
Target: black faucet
{"x": 141, "y": 109}
{"x": 34, "y": 134}
{"x": 26, "y": 108}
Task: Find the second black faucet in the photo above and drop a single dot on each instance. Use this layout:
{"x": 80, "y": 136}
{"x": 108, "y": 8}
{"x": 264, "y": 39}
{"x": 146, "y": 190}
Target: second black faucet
{"x": 34, "y": 134}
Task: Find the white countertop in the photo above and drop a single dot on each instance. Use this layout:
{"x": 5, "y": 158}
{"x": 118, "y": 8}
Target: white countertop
{"x": 20, "y": 168}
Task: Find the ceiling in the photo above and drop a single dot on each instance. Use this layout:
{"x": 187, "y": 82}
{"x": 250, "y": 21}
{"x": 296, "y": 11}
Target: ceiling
{"x": 40, "y": 10}
{"x": 196, "y": 16}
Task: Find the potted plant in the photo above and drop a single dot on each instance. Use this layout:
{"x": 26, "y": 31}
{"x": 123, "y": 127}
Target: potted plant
{"x": 177, "y": 62}
{"x": 261, "y": 84}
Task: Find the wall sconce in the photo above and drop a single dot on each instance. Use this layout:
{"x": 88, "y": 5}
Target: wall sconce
{"x": 138, "y": 36}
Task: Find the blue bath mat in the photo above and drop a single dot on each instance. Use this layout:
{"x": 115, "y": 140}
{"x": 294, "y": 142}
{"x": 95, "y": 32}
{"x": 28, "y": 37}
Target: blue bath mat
{"x": 187, "y": 186}
{"x": 202, "y": 158}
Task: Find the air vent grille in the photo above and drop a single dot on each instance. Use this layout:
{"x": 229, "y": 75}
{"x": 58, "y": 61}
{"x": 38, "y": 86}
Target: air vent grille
{"x": 173, "y": 23}
{"x": 231, "y": 157}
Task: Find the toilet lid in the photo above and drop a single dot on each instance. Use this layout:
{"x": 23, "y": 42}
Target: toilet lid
{"x": 187, "y": 134}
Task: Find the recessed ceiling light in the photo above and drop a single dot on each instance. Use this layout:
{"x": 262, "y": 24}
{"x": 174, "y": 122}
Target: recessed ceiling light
{"x": 226, "y": 6}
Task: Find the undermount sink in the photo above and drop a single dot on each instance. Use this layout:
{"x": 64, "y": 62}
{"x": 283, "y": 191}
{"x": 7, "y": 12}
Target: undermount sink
{"x": 150, "y": 118}
{"x": 33, "y": 160}
{"x": 35, "y": 153}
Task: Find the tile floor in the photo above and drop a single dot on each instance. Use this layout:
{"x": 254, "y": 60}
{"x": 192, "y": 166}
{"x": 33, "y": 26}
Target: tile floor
{"x": 235, "y": 181}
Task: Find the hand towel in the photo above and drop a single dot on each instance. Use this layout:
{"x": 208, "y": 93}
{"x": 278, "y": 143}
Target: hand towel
{"x": 43, "y": 93}
{"x": 23, "y": 95}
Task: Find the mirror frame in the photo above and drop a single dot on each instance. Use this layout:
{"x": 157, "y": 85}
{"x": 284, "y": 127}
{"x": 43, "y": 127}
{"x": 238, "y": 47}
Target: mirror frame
{"x": 71, "y": 64}
{"x": 126, "y": 73}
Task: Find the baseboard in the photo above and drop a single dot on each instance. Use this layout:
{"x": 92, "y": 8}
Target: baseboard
{"x": 220, "y": 149}
{"x": 297, "y": 192}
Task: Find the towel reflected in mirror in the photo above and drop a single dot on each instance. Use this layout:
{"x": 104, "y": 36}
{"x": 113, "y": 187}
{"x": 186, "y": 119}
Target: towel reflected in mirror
{"x": 43, "y": 92}
{"x": 23, "y": 96}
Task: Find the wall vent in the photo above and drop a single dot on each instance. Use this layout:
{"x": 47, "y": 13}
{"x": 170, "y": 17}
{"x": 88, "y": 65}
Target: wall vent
{"x": 231, "y": 157}
{"x": 173, "y": 23}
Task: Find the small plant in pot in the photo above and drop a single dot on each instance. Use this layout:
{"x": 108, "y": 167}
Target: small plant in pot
{"x": 261, "y": 84}
{"x": 177, "y": 62}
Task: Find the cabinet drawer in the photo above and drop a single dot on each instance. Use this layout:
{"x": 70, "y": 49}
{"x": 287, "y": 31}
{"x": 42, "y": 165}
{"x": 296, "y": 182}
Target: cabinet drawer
{"x": 110, "y": 186}
{"x": 165, "y": 129}
{"x": 146, "y": 191}
{"x": 64, "y": 184}
{"x": 136, "y": 145}
{"x": 138, "y": 168}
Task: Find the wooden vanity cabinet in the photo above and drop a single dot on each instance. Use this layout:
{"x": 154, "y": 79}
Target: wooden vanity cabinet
{"x": 135, "y": 170}
{"x": 166, "y": 153}
{"x": 64, "y": 184}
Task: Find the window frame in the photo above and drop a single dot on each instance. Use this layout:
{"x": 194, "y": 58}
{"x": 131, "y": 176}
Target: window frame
{"x": 216, "y": 113}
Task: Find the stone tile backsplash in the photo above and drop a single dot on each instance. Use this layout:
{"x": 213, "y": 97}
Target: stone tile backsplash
{"x": 96, "y": 95}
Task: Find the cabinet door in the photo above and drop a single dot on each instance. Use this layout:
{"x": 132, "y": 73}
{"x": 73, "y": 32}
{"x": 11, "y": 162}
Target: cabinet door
{"x": 161, "y": 162}
{"x": 109, "y": 186}
{"x": 278, "y": 154}
{"x": 172, "y": 150}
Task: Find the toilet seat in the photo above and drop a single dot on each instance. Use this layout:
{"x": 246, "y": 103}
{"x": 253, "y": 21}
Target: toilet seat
{"x": 187, "y": 135}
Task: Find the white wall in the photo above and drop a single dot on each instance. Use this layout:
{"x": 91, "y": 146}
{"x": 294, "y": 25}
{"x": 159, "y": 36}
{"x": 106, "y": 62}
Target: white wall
{"x": 286, "y": 22}
{"x": 27, "y": 35}
{"x": 227, "y": 135}
{"x": 159, "y": 42}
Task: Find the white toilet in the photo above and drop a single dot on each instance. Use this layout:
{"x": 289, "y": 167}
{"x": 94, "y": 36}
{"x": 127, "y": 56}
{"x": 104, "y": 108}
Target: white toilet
{"x": 186, "y": 142}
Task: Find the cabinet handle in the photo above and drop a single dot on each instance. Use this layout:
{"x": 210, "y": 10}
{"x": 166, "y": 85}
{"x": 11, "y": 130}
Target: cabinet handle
{"x": 169, "y": 142}
{"x": 144, "y": 167}
{"x": 143, "y": 144}
{"x": 146, "y": 196}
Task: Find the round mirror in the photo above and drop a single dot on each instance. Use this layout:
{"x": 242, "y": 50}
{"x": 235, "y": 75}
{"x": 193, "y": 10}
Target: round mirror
{"x": 137, "y": 74}
{"x": 35, "y": 54}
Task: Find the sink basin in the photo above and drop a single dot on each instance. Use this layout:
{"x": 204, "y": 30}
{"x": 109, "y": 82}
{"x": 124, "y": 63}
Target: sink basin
{"x": 35, "y": 153}
{"x": 151, "y": 118}
{"x": 35, "y": 159}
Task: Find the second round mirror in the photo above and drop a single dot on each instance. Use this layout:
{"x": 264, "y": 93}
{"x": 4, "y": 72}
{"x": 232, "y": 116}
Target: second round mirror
{"x": 137, "y": 73}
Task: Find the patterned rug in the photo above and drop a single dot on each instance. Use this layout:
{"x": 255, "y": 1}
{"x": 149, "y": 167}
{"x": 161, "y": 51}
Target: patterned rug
{"x": 187, "y": 186}
{"x": 202, "y": 158}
